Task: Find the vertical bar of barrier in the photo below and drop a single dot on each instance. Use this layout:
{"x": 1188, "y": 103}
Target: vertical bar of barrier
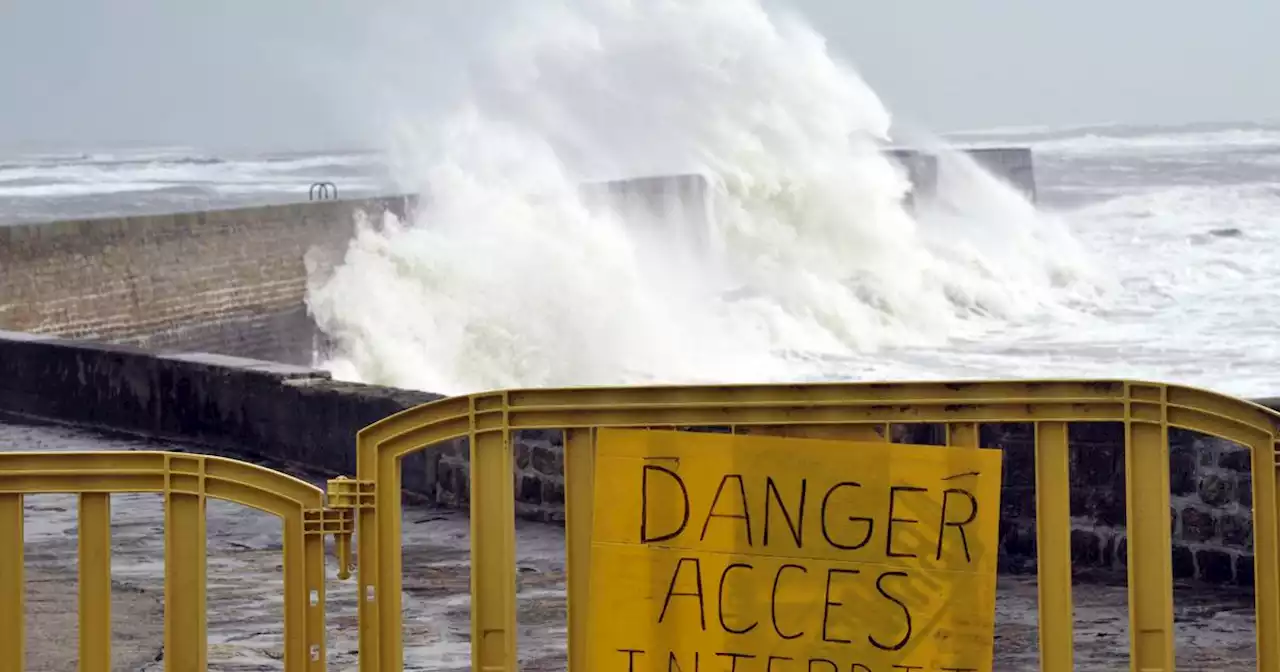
{"x": 962, "y": 434}
{"x": 390, "y": 558}
{"x": 295, "y": 589}
{"x": 1150, "y": 564}
{"x": 367, "y": 585}
{"x": 95, "y": 582}
{"x": 317, "y": 655}
{"x": 493, "y": 553}
{"x": 1053, "y": 546}
{"x": 185, "y": 635}
{"x": 1266, "y": 554}
{"x": 13, "y": 633}
{"x": 579, "y": 503}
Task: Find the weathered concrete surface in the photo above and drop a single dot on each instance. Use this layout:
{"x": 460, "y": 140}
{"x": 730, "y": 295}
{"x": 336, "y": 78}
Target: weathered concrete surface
{"x": 1214, "y": 626}
{"x": 52, "y": 620}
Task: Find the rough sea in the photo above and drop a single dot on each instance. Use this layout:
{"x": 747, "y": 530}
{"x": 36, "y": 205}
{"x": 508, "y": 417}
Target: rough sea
{"x": 1179, "y": 226}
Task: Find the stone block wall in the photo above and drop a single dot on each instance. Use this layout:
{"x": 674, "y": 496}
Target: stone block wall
{"x": 1210, "y": 496}
{"x": 229, "y": 281}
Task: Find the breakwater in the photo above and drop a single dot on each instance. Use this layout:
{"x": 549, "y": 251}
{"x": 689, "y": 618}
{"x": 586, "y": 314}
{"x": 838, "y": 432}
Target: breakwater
{"x": 234, "y": 281}
{"x": 226, "y": 281}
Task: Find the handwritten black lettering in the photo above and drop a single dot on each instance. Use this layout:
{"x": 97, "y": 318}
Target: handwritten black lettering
{"x": 631, "y": 657}
{"x": 773, "y": 601}
{"x": 733, "y": 666}
{"x": 671, "y": 591}
{"x": 973, "y": 513}
{"x": 907, "y": 667}
{"x": 673, "y": 665}
{"x": 796, "y": 527}
{"x": 826, "y": 533}
{"x": 888, "y": 542}
{"x": 768, "y": 667}
{"x": 644, "y": 504}
{"x": 720, "y": 601}
{"x": 905, "y": 612}
{"x": 812, "y": 661}
{"x": 826, "y": 612}
{"x": 859, "y": 667}
{"x": 745, "y": 516}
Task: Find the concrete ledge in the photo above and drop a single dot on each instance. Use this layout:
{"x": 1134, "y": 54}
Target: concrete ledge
{"x": 277, "y": 411}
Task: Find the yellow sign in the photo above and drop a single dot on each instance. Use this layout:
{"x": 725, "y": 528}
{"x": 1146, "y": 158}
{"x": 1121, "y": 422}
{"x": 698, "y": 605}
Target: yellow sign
{"x": 714, "y": 552}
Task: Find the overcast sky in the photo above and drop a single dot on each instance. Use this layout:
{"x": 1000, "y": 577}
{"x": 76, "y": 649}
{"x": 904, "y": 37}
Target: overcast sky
{"x": 242, "y": 74}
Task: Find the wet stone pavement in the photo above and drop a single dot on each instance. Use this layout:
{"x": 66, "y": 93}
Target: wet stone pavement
{"x": 1214, "y": 627}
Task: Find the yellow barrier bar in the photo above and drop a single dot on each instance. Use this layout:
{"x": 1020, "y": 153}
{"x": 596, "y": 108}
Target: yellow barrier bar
{"x": 185, "y": 634}
{"x": 389, "y": 582}
{"x": 579, "y": 502}
{"x": 95, "y": 582}
{"x": 1150, "y": 562}
{"x": 368, "y": 522}
{"x": 295, "y": 600}
{"x": 317, "y": 653}
{"x": 493, "y": 554}
{"x": 13, "y": 634}
{"x": 1053, "y": 547}
{"x": 1266, "y": 555}
{"x": 962, "y": 434}
{"x": 875, "y": 431}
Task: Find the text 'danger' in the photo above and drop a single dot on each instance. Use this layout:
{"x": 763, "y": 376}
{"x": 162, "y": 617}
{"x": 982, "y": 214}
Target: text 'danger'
{"x": 750, "y": 553}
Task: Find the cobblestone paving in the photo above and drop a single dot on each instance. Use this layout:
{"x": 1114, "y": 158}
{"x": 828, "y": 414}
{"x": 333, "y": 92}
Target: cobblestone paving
{"x": 1215, "y": 628}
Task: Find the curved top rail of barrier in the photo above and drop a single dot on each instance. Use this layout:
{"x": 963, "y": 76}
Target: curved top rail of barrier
{"x": 186, "y": 481}
{"x": 153, "y": 471}
{"x": 832, "y": 409}
{"x": 1113, "y": 400}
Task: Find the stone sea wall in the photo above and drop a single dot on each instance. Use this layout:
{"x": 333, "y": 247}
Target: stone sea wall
{"x": 224, "y": 281}
{"x": 1210, "y": 491}
{"x": 234, "y": 281}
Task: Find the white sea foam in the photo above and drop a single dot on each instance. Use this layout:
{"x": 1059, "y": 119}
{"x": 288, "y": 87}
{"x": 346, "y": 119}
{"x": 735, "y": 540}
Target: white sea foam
{"x": 1116, "y": 140}
{"x": 63, "y": 190}
{"x": 1225, "y": 140}
{"x": 507, "y": 277}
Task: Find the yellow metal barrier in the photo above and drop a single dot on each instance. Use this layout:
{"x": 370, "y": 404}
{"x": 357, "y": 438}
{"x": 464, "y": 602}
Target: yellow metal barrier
{"x": 843, "y": 411}
{"x": 185, "y": 481}
{"x": 858, "y": 412}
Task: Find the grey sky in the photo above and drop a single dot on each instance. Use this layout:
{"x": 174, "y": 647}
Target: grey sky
{"x": 300, "y": 74}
